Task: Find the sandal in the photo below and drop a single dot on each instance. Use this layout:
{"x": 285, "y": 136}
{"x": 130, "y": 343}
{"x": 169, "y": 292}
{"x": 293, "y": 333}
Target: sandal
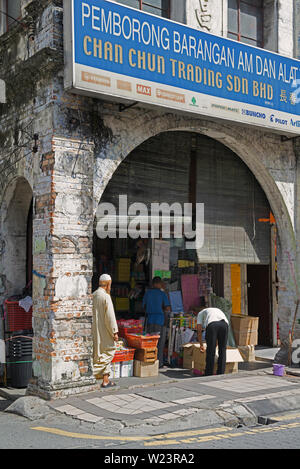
{"x": 109, "y": 385}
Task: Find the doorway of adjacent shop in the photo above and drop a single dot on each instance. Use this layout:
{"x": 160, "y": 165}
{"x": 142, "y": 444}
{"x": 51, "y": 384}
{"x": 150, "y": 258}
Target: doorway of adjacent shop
{"x": 17, "y": 331}
{"x": 259, "y": 304}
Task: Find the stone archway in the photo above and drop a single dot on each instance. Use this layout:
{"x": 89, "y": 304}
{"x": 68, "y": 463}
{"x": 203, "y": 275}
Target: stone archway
{"x": 15, "y": 209}
{"x": 254, "y": 149}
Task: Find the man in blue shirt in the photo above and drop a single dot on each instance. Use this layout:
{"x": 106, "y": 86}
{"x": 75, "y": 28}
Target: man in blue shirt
{"x": 157, "y": 305}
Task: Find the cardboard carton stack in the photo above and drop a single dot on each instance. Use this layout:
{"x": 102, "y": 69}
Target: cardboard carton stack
{"x": 247, "y": 352}
{"x": 245, "y": 329}
{"x": 145, "y": 362}
{"x": 188, "y": 359}
{"x": 144, "y": 369}
{"x": 145, "y": 357}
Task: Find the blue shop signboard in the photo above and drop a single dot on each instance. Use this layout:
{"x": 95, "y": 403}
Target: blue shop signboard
{"x": 131, "y": 56}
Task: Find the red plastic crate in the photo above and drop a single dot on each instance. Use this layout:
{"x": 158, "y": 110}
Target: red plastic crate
{"x": 125, "y": 355}
{"x": 142, "y": 341}
{"x": 17, "y": 317}
{"x": 129, "y": 326}
{"x": 124, "y": 331}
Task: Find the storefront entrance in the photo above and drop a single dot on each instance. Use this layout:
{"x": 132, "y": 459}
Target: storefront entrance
{"x": 182, "y": 167}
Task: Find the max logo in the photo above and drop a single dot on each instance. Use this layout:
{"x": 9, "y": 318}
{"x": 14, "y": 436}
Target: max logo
{"x": 141, "y": 89}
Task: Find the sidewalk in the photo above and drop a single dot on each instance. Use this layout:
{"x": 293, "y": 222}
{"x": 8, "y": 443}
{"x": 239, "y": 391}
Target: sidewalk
{"x": 177, "y": 398}
{"x": 192, "y": 402}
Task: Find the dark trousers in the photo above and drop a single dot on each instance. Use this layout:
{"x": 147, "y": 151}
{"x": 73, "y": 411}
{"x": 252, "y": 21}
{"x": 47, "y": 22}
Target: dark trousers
{"x": 216, "y": 332}
{"x": 150, "y": 329}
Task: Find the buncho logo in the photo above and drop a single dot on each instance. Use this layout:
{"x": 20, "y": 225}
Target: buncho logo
{"x": 161, "y": 219}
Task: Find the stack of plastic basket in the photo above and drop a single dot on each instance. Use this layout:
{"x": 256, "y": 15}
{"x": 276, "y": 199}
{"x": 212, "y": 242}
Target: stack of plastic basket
{"x": 129, "y": 326}
{"x": 18, "y": 319}
{"x": 142, "y": 341}
{"x": 20, "y": 360}
{"x": 122, "y": 364}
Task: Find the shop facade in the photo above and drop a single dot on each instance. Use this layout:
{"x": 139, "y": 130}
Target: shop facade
{"x": 65, "y": 153}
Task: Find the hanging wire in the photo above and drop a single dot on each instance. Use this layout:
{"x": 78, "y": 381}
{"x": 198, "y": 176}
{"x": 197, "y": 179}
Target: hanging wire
{"x": 12, "y": 18}
{"x": 15, "y": 162}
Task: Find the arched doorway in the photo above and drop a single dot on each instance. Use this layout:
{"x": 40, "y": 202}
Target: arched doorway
{"x": 17, "y": 236}
{"x": 186, "y": 167}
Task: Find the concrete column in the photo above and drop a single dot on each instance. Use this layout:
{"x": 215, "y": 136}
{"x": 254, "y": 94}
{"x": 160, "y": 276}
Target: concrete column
{"x": 286, "y": 27}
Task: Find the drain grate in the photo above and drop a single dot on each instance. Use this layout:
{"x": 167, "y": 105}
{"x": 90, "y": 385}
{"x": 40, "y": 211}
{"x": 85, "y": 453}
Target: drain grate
{"x": 263, "y": 421}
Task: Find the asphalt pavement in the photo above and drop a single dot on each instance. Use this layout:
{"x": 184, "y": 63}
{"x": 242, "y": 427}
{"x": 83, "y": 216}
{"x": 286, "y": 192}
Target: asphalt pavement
{"x": 176, "y": 411}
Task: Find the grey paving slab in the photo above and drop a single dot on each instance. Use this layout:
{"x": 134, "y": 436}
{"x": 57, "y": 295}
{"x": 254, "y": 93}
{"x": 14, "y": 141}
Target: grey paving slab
{"x": 246, "y": 385}
{"x": 91, "y": 409}
{"x": 158, "y": 412}
{"x": 167, "y": 394}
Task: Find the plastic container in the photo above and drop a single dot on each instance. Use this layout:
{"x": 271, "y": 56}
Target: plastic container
{"x": 142, "y": 341}
{"x": 20, "y": 373}
{"x": 124, "y": 355}
{"x": 127, "y": 369}
{"x": 20, "y": 348}
{"x": 115, "y": 370}
{"x": 278, "y": 370}
{"x": 130, "y": 326}
{"x": 17, "y": 317}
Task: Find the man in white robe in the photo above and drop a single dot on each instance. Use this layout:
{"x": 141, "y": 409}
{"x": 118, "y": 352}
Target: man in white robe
{"x": 105, "y": 331}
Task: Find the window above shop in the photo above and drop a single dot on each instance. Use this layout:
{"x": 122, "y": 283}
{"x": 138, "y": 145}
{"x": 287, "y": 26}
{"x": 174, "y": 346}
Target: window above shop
{"x": 246, "y": 21}
{"x": 10, "y": 11}
{"x": 156, "y": 7}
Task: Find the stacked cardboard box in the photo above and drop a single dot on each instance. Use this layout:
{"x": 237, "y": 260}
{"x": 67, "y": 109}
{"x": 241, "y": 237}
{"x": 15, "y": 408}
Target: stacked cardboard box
{"x": 245, "y": 329}
{"x": 247, "y": 352}
{"x": 145, "y": 370}
{"x": 233, "y": 358}
{"x": 146, "y": 363}
{"x": 188, "y": 360}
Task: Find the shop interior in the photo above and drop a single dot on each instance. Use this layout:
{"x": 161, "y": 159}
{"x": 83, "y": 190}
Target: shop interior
{"x": 236, "y": 268}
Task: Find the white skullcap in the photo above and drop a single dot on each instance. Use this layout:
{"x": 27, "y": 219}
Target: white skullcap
{"x": 105, "y": 278}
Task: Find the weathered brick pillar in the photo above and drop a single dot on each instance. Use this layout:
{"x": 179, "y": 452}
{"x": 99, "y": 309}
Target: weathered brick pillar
{"x": 63, "y": 264}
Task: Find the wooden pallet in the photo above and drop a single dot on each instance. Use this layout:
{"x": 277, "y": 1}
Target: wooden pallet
{"x": 146, "y": 355}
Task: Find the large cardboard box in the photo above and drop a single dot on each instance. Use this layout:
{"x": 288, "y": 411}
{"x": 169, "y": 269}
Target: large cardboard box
{"x": 188, "y": 360}
{"x": 229, "y": 369}
{"x": 245, "y": 329}
{"x": 145, "y": 370}
{"x": 233, "y": 358}
{"x": 247, "y": 352}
